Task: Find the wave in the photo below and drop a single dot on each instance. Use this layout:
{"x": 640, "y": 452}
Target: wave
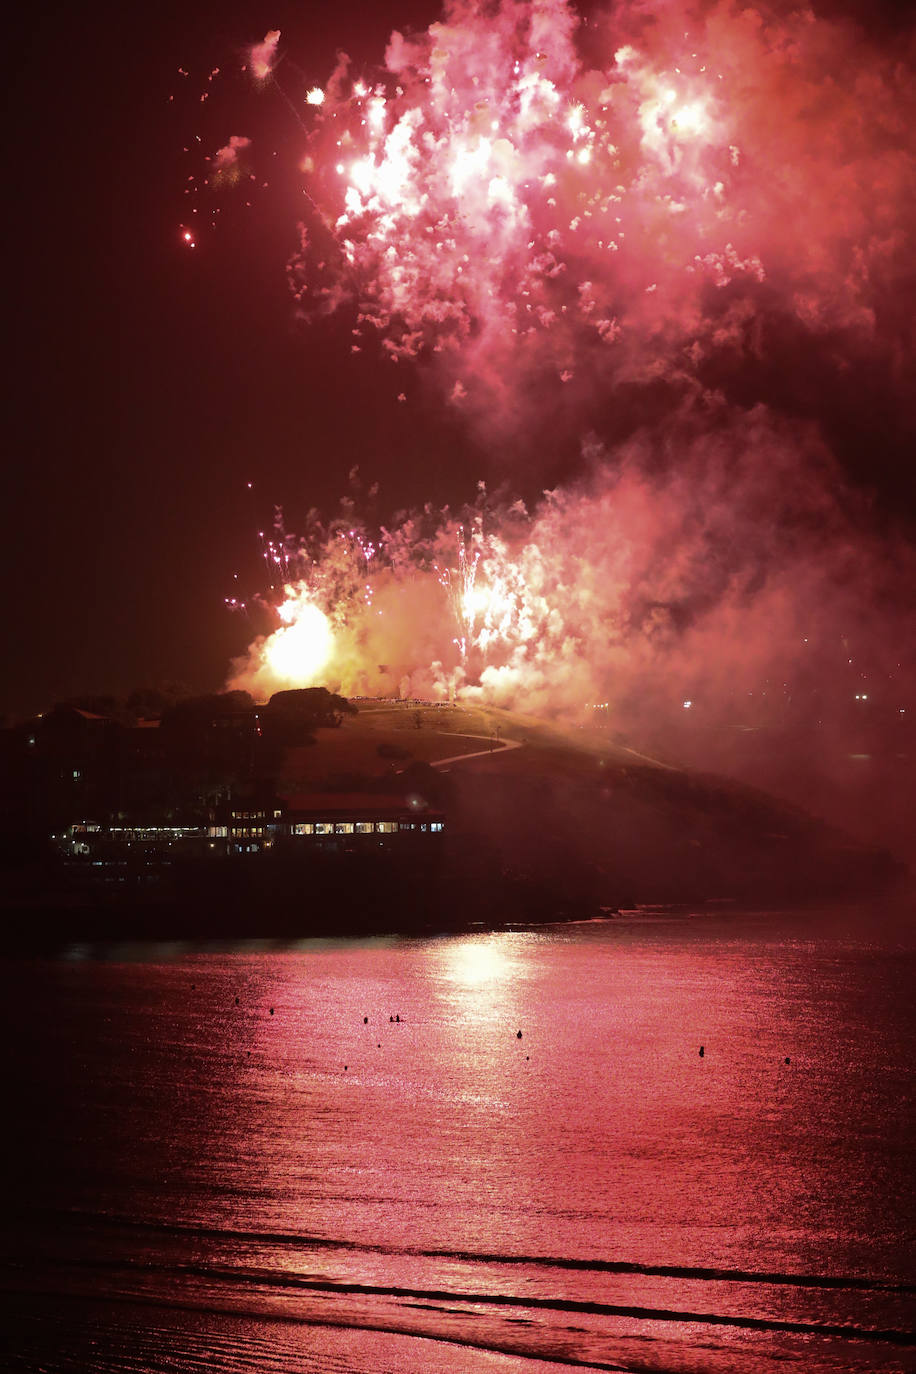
{"x": 381, "y": 1326}
{"x": 271, "y": 1279}
{"x": 855, "y": 1282}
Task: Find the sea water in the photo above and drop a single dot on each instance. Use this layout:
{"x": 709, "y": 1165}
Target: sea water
{"x": 668, "y": 1143}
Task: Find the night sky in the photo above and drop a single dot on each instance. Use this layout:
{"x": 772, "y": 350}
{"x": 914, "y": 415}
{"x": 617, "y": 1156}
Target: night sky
{"x": 151, "y": 384}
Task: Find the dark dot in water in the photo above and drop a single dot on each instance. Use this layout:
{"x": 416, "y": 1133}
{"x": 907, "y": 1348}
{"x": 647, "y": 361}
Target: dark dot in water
{"x": 193, "y": 987}
{"x": 380, "y": 1044}
{"x": 248, "y": 1051}
{"x": 345, "y": 1068}
{"x": 271, "y": 1011}
{"x": 518, "y": 1035}
{"x": 702, "y": 1051}
{"x": 788, "y": 1060}
{"x": 365, "y": 1020}
{"x": 527, "y": 1056}
{"x": 236, "y": 1001}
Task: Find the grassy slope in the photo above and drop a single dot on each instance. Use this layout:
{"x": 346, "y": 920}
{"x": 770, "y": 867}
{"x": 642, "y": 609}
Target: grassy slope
{"x": 572, "y": 813}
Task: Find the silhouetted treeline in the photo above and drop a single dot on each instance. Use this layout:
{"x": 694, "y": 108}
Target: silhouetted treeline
{"x": 151, "y": 755}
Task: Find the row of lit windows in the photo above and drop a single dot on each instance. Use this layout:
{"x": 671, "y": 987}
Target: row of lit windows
{"x": 221, "y": 832}
{"x": 363, "y": 827}
{"x": 152, "y": 832}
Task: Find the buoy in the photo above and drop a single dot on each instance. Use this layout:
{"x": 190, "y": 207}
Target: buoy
{"x": 271, "y": 1011}
{"x": 365, "y": 1020}
{"x": 788, "y": 1060}
{"x": 702, "y": 1051}
{"x": 518, "y": 1035}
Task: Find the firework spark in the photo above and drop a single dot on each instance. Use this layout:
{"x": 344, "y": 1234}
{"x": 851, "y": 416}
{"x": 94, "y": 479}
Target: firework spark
{"x": 542, "y": 226}
{"x": 634, "y": 591}
{"x": 514, "y": 215}
{"x": 263, "y": 55}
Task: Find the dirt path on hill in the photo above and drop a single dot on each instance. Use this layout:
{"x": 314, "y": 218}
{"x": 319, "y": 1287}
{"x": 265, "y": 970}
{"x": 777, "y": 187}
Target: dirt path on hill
{"x": 496, "y": 747}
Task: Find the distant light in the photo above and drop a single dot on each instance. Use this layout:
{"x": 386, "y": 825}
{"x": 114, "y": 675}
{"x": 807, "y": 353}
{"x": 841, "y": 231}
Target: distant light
{"x": 687, "y": 705}
{"x": 315, "y": 96}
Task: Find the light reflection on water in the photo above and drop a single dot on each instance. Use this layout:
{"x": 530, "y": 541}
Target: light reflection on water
{"x": 333, "y": 1113}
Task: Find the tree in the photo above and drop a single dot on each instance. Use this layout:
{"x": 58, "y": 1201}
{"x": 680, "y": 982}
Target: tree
{"x": 314, "y": 706}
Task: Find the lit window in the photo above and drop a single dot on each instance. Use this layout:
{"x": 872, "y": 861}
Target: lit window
{"x": 323, "y": 828}
{"x": 304, "y": 828}
{"x": 386, "y": 827}
{"x": 343, "y": 828}
{"x": 364, "y": 827}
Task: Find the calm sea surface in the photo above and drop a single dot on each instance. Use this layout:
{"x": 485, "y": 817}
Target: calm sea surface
{"x": 241, "y": 1160}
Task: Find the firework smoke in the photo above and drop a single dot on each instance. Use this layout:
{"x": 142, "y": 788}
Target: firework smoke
{"x": 707, "y": 580}
{"x": 547, "y": 233}
{"x": 263, "y": 55}
{"x": 676, "y": 243}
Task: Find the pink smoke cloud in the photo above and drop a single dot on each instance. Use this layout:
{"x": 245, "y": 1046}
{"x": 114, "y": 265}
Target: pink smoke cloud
{"x": 263, "y": 55}
{"x": 510, "y": 215}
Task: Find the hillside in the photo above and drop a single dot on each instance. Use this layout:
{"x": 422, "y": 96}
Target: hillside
{"x": 542, "y": 824}
{"x": 549, "y": 817}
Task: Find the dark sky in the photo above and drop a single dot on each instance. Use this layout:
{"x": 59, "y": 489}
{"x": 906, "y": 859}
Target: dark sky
{"x": 148, "y": 388}
{"x": 149, "y": 384}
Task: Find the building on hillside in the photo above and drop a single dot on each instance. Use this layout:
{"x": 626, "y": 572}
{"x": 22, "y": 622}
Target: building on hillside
{"x": 62, "y": 764}
{"x": 246, "y": 825}
{"x": 357, "y": 821}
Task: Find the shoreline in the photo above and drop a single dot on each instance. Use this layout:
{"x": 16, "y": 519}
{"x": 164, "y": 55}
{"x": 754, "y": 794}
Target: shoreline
{"x": 49, "y": 927}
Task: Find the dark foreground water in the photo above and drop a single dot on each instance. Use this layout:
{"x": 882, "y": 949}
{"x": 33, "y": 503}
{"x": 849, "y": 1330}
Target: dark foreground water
{"x": 221, "y": 1165}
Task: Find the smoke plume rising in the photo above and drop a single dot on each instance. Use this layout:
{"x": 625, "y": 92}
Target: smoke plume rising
{"x": 676, "y": 246}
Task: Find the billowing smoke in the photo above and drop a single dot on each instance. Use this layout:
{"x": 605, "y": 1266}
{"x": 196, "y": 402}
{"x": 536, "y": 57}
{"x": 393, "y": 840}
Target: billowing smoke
{"x": 549, "y": 232}
{"x": 699, "y": 568}
{"x": 678, "y": 241}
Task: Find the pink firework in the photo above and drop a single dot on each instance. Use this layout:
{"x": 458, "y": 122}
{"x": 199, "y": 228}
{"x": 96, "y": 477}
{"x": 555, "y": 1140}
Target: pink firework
{"x": 516, "y": 212}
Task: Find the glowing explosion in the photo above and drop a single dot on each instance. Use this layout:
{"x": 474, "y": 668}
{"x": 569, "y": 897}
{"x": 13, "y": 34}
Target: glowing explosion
{"x": 544, "y": 216}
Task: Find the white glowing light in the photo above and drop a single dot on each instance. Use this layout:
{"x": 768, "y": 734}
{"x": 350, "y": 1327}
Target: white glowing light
{"x": 315, "y": 96}
{"x": 474, "y": 963}
{"x": 301, "y": 648}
